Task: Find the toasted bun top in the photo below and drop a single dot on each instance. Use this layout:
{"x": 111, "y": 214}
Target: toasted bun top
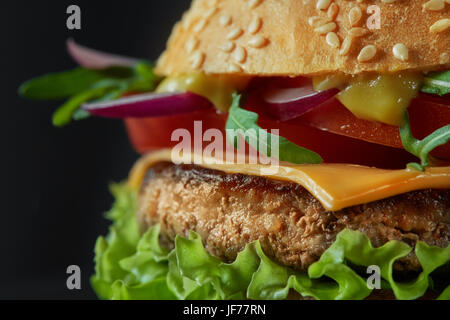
{"x": 307, "y": 37}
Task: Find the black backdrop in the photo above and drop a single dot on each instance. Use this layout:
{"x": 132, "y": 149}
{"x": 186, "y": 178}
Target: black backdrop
{"x": 54, "y": 186}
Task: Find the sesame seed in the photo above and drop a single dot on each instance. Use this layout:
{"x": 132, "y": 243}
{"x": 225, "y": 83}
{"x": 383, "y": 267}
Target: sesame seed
{"x": 228, "y": 46}
{"x": 323, "y": 4}
{"x": 358, "y": 32}
{"x": 333, "y": 40}
{"x": 333, "y": 11}
{"x": 367, "y": 53}
{"x": 255, "y": 25}
{"x": 434, "y": 5}
{"x": 200, "y": 25}
{"x": 197, "y": 59}
{"x": 210, "y": 12}
{"x": 240, "y": 54}
{"x": 187, "y": 21}
{"x": 331, "y": 26}
{"x": 440, "y": 25}
{"x": 354, "y": 16}
{"x": 234, "y": 34}
{"x": 346, "y": 46}
{"x": 401, "y": 52}
{"x": 191, "y": 45}
{"x": 317, "y": 21}
{"x": 257, "y": 41}
{"x": 233, "y": 67}
{"x": 444, "y": 57}
{"x": 225, "y": 20}
{"x": 254, "y": 3}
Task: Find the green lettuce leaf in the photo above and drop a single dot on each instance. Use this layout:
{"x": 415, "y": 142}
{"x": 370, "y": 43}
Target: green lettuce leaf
{"x": 130, "y": 266}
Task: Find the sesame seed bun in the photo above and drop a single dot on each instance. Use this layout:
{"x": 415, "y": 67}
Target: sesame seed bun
{"x": 308, "y": 37}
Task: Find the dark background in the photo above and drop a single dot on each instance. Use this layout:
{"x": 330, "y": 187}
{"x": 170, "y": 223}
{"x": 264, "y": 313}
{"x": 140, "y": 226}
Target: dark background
{"x": 54, "y": 187}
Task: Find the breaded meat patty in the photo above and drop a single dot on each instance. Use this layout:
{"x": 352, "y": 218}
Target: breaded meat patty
{"x": 231, "y": 210}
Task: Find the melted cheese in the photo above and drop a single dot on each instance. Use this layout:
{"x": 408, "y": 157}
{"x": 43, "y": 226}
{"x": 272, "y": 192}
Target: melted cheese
{"x": 336, "y": 186}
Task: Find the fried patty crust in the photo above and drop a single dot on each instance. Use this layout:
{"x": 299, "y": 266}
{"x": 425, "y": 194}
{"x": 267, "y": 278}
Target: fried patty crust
{"x": 231, "y": 210}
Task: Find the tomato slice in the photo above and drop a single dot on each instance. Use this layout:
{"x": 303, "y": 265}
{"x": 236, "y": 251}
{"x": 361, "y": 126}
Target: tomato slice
{"x": 427, "y": 113}
{"x": 332, "y": 116}
{"x": 330, "y": 130}
{"x": 334, "y": 148}
{"x": 149, "y": 134}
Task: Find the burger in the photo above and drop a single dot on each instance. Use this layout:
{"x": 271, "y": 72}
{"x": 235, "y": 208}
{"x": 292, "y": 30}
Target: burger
{"x": 340, "y": 185}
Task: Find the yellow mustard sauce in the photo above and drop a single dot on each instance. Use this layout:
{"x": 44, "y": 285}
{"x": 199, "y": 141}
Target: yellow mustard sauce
{"x": 375, "y": 97}
{"x": 216, "y": 88}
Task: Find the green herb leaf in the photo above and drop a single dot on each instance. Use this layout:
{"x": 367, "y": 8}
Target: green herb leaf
{"x": 60, "y": 85}
{"x": 146, "y": 73}
{"x": 415, "y": 166}
{"x": 422, "y": 148}
{"x": 82, "y": 85}
{"x": 246, "y": 122}
{"x": 80, "y": 114}
{"x": 437, "y": 83}
{"x": 107, "y": 91}
{"x": 63, "y": 114}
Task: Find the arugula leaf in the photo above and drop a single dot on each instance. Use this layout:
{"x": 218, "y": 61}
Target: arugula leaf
{"x": 241, "y": 119}
{"x": 146, "y": 77}
{"x": 422, "y": 148}
{"x": 63, "y": 115}
{"x": 83, "y": 85}
{"x": 437, "y": 83}
{"x": 59, "y": 85}
{"x": 80, "y": 114}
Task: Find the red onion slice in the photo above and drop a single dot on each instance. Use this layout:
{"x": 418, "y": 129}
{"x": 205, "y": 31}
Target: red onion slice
{"x": 149, "y": 105}
{"x": 289, "y": 103}
{"x": 93, "y": 59}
